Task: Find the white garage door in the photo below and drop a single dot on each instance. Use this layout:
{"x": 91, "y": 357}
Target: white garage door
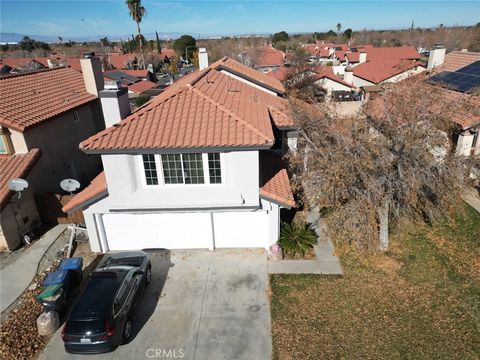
{"x": 169, "y": 231}
{"x": 241, "y": 229}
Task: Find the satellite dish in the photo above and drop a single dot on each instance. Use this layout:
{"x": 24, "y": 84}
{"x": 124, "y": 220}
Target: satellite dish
{"x": 70, "y": 185}
{"x": 17, "y": 185}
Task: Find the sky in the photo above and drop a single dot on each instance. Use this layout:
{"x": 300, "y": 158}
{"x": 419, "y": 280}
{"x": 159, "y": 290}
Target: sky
{"x": 110, "y": 17}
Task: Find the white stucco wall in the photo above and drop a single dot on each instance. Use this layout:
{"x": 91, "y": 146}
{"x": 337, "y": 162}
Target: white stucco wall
{"x": 330, "y": 85}
{"x": 127, "y": 188}
{"x": 358, "y": 82}
{"x": 18, "y": 142}
{"x": 404, "y": 75}
{"x": 464, "y": 144}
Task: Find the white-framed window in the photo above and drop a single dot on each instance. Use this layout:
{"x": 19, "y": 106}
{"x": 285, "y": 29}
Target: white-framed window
{"x": 185, "y": 168}
{"x": 3, "y": 146}
{"x": 150, "y": 167}
{"x": 214, "y": 168}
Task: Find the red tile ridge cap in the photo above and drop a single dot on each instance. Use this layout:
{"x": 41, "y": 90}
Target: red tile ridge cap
{"x": 233, "y": 115}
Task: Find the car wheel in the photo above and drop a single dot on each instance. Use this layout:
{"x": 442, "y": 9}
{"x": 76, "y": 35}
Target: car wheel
{"x": 127, "y": 331}
{"x": 149, "y": 274}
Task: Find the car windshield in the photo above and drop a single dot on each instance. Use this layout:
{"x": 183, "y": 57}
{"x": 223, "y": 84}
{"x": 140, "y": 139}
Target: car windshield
{"x": 97, "y": 298}
{"x": 85, "y": 326}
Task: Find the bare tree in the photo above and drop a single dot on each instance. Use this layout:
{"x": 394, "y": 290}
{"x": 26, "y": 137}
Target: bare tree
{"x": 395, "y": 160}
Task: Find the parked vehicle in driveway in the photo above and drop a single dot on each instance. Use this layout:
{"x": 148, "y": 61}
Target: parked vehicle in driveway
{"x": 100, "y": 319}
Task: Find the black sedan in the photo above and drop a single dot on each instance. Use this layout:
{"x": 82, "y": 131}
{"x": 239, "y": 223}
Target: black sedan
{"x": 100, "y": 319}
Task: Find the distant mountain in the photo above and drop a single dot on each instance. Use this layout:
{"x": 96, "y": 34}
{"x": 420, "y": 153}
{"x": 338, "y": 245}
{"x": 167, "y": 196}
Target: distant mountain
{"x": 16, "y": 37}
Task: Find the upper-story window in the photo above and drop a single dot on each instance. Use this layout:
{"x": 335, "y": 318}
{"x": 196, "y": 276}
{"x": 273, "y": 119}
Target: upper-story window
{"x": 189, "y": 168}
{"x": 5, "y": 141}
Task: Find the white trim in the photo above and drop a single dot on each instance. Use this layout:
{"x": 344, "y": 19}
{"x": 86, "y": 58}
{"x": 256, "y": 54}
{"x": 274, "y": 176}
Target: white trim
{"x": 161, "y": 178}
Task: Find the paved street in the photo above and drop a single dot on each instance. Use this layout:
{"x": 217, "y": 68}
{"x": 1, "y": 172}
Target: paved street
{"x": 211, "y": 305}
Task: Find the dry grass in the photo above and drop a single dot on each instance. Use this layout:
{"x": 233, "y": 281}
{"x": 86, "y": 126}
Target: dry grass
{"x": 421, "y": 300}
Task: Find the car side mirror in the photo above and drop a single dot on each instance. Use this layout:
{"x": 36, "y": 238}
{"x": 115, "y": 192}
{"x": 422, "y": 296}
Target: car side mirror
{"x": 139, "y": 272}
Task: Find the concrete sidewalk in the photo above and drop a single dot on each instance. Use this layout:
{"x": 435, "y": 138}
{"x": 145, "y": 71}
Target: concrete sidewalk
{"x": 16, "y": 277}
{"x": 471, "y": 198}
{"x": 325, "y": 263}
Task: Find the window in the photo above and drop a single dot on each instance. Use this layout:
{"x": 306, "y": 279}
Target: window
{"x": 3, "y": 146}
{"x": 151, "y": 176}
{"x": 191, "y": 168}
{"x": 214, "y": 168}
{"x": 172, "y": 169}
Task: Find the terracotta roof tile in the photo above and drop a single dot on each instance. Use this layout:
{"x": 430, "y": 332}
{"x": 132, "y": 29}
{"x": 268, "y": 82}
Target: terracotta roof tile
{"x": 141, "y": 86}
{"x": 274, "y": 183}
{"x": 97, "y": 187}
{"x": 456, "y": 60}
{"x": 268, "y": 56}
{"x": 120, "y": 61}
{"x": 31, "y": 98}
{"x": 379, "y": 70}
{"x": 170, "y": 53}
{"x": 249, "y": 73}
{"x": 203, "y": 109}
{"x": 14, "y": 166}
{"x": 15, "y": 63}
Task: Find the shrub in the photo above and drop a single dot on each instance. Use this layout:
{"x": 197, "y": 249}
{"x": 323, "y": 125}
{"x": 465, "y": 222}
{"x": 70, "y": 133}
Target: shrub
{"x": 297, "y": 238}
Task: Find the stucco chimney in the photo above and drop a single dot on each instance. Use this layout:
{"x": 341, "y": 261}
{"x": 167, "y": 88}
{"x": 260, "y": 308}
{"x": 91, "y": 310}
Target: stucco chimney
{"x": 348, "y": 75}
{"x": 202, "y": 58}
{"x": 115, "y": 102}
{"x": 362, "y": 57}
{"x": 436, "y": 57}
{"x": 92, "y": 73}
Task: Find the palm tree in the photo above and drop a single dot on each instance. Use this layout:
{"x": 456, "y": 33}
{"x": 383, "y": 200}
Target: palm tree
{"x": 339, "y": 27}
{"x": 137, "y": 12}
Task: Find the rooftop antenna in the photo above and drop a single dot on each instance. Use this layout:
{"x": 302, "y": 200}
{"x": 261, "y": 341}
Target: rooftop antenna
{"x": 70, "y": 185}
{"x": 17, "y": 185}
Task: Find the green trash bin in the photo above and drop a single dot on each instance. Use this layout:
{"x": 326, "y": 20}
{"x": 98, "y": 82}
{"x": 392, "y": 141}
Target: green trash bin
{"x": 52, "y": 298}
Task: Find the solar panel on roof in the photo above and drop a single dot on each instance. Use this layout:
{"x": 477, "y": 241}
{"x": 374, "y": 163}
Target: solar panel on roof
{"x": 472, "y": 69}
{"x": 464, "y": 79}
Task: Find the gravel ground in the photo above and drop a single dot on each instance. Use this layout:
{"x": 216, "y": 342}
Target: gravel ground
{"x": 18, "y": 332}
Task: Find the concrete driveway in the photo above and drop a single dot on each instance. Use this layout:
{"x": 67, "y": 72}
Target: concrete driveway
{"x": 200, "y": 305}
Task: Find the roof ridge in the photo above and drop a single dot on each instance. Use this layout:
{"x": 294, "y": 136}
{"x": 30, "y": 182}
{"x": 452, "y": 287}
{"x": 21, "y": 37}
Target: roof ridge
{"x": 32, "y": 72}
{"x": 232, "y": 114}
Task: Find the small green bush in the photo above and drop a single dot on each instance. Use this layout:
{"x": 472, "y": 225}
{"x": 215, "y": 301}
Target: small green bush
{"x": 297, "y": 238}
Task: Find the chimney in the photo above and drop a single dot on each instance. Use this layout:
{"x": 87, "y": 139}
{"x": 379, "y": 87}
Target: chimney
{"x": 202, "y": 58}
{"x": 348, "y": 75}
{"x": 436, "y": 57}
{"x": 92, "y": 73}
{"x": 115, "y": 102}
{"x": 362, "y": 57}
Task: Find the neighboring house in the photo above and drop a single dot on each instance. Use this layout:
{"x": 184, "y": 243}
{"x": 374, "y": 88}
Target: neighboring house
{"x": 199, "y": 166}
{"x": 458, "y": 73}
{"x": 123, "y": 61}
{"x": 142, "y": 74}
{"x": 52, "y": 110}
{"x": 266, "y": 59}
{"x": 382, "y": 71}
{"x": 18, "y": 65}
{"x": 18, "y": 212}
{"x": 132, "y": 79}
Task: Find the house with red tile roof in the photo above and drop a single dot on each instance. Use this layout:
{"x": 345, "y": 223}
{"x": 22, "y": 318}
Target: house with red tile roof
{"x": 52, "y": 110}
{"x": 18, "y": 211}
{"x": 381, "y": 71}
{"x": 266, "y": 59}
{"x": 198, "y": 166}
